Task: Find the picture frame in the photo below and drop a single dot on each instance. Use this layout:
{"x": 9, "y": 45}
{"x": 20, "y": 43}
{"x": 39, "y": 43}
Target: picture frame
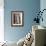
{"x": 17, "y": 18}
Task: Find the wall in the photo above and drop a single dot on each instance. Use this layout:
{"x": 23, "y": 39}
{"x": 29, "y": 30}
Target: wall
{"x": 29, "y": 7}
{"x": 1, "y": 20}
{"x": 43, "y": 6}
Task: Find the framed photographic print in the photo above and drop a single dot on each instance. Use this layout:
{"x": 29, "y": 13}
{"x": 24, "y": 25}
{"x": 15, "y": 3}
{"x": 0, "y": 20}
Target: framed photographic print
{"x": 17, "y": 18}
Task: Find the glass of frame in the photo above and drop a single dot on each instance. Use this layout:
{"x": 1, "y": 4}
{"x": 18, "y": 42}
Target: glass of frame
{"x": 17, "y": 18}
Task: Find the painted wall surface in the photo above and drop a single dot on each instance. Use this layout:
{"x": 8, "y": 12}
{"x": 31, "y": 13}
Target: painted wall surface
{"x": 43, "y": 6}
{"x": 1, "y": 20}
{"x": 29, "y": 7}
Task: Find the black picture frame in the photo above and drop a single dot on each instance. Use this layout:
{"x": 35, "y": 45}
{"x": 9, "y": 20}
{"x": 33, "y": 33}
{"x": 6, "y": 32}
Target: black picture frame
{"x": 17, "y": 18}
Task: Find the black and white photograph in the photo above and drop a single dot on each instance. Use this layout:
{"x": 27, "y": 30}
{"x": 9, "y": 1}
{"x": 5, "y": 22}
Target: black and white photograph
{"x": 17, "y": 18}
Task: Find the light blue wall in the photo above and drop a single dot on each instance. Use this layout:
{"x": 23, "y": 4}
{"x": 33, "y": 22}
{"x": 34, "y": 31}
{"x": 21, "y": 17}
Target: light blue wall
{"x": 29, "y": 7}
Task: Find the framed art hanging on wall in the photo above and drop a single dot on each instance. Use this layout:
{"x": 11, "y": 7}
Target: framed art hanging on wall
{"x": 17, "y": 18}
